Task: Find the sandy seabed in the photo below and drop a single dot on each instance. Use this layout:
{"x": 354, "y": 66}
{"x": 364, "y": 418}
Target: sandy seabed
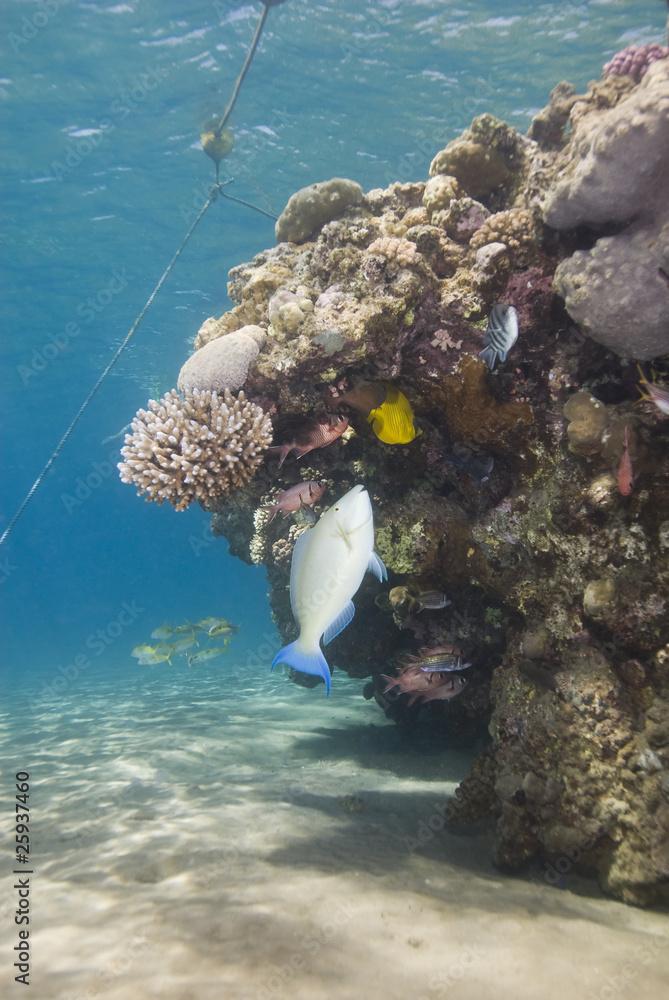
{"x": 202, "y": 834}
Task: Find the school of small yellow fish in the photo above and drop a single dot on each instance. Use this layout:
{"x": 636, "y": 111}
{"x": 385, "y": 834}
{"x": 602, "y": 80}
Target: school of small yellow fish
{"x": 177, "y": 640}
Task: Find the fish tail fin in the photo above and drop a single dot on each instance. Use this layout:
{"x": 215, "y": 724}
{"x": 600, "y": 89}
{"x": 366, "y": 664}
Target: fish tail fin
{"x": 306, "y": 661}
{"x": 645, "y": 394}
{"x": 489, "y": 355}
{"x": 391, "y": 682}
{"x": 283, "y": 451}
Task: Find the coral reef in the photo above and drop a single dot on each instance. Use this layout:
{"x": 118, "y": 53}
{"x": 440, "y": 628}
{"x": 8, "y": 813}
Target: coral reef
{"x": 485, "y": 160}
{"x": 198, "y": 446}
{"x": 509, "y": 500}
{"x": 287, "y": 310}
{"x": 614, "y": 171}
{"x": 596, "y": 182}
{"x": 439, "y": 192}
{"x": 587, "y": 422}
{"x": 515, "y": 229}
{"x": 581, "y": 748}
{"x": 462, "y": 219}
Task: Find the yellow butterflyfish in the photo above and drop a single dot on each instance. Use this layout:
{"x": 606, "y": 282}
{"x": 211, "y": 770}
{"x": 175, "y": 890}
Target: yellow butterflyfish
{"x": 392, "y": 421}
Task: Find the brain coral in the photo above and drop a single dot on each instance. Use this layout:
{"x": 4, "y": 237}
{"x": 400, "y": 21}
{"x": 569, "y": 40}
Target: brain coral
{"x": 311, "y": 207}
{"x": 223, "y": 363}
{"x": 196, "y": 447}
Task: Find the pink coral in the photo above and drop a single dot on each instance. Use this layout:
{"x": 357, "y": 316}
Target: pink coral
{"x": 634, "y": 60}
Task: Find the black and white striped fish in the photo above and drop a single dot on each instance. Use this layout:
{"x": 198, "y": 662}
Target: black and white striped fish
{"x": 501, "y": 334}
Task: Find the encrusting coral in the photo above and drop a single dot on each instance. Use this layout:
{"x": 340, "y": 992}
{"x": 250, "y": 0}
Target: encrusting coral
{"x": 198, "y": 446}
{"x": 614, "y": 171}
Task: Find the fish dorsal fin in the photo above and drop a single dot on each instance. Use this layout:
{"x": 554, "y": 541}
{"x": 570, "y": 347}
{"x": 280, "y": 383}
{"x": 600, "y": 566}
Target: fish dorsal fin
{"x": 298, "y": 554}
{"x": 344, "y": 618}
{"x": 377, "y": 567}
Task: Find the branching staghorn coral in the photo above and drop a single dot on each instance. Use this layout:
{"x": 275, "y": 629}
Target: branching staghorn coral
{"x": 195, "y": 446}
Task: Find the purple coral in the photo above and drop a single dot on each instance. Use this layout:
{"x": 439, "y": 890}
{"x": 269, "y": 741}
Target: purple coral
{"x": 634, "y": 60}
{"x": 531, "y": 294}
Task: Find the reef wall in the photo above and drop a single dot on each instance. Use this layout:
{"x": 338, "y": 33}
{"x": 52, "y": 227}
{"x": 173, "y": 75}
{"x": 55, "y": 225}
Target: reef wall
{"x": 536, "y": 496}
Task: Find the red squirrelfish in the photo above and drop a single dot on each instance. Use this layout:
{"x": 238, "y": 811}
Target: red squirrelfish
{"x": 296, "y": 497}
{"x": 437, "y": 659}
{"x": 446, "y": 689}
{"x": 314, "y": 434}
{"x": 409, "y": 680}
{"x": 425, "y": 686}
{"x": 625, "y": 471}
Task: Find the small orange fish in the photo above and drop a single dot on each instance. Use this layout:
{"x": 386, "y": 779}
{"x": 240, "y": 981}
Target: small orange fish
{"x": 296, "y": 497}
{"x": 625, "y": 475}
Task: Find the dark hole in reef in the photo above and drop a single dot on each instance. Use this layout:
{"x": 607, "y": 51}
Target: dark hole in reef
{"x": 580, "y": 238}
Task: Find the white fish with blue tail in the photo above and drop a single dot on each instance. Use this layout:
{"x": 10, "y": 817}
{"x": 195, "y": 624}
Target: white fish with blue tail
{"x": 329, "y": 563}
{"x": 501, "y": 334}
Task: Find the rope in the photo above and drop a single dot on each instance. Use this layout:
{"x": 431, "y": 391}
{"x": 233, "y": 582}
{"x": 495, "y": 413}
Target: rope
{"x": 105, "y": 372}
{"x": 242, "y": 73}
{"x": 213, "y": 195}
{"x": 249, "y": 204}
